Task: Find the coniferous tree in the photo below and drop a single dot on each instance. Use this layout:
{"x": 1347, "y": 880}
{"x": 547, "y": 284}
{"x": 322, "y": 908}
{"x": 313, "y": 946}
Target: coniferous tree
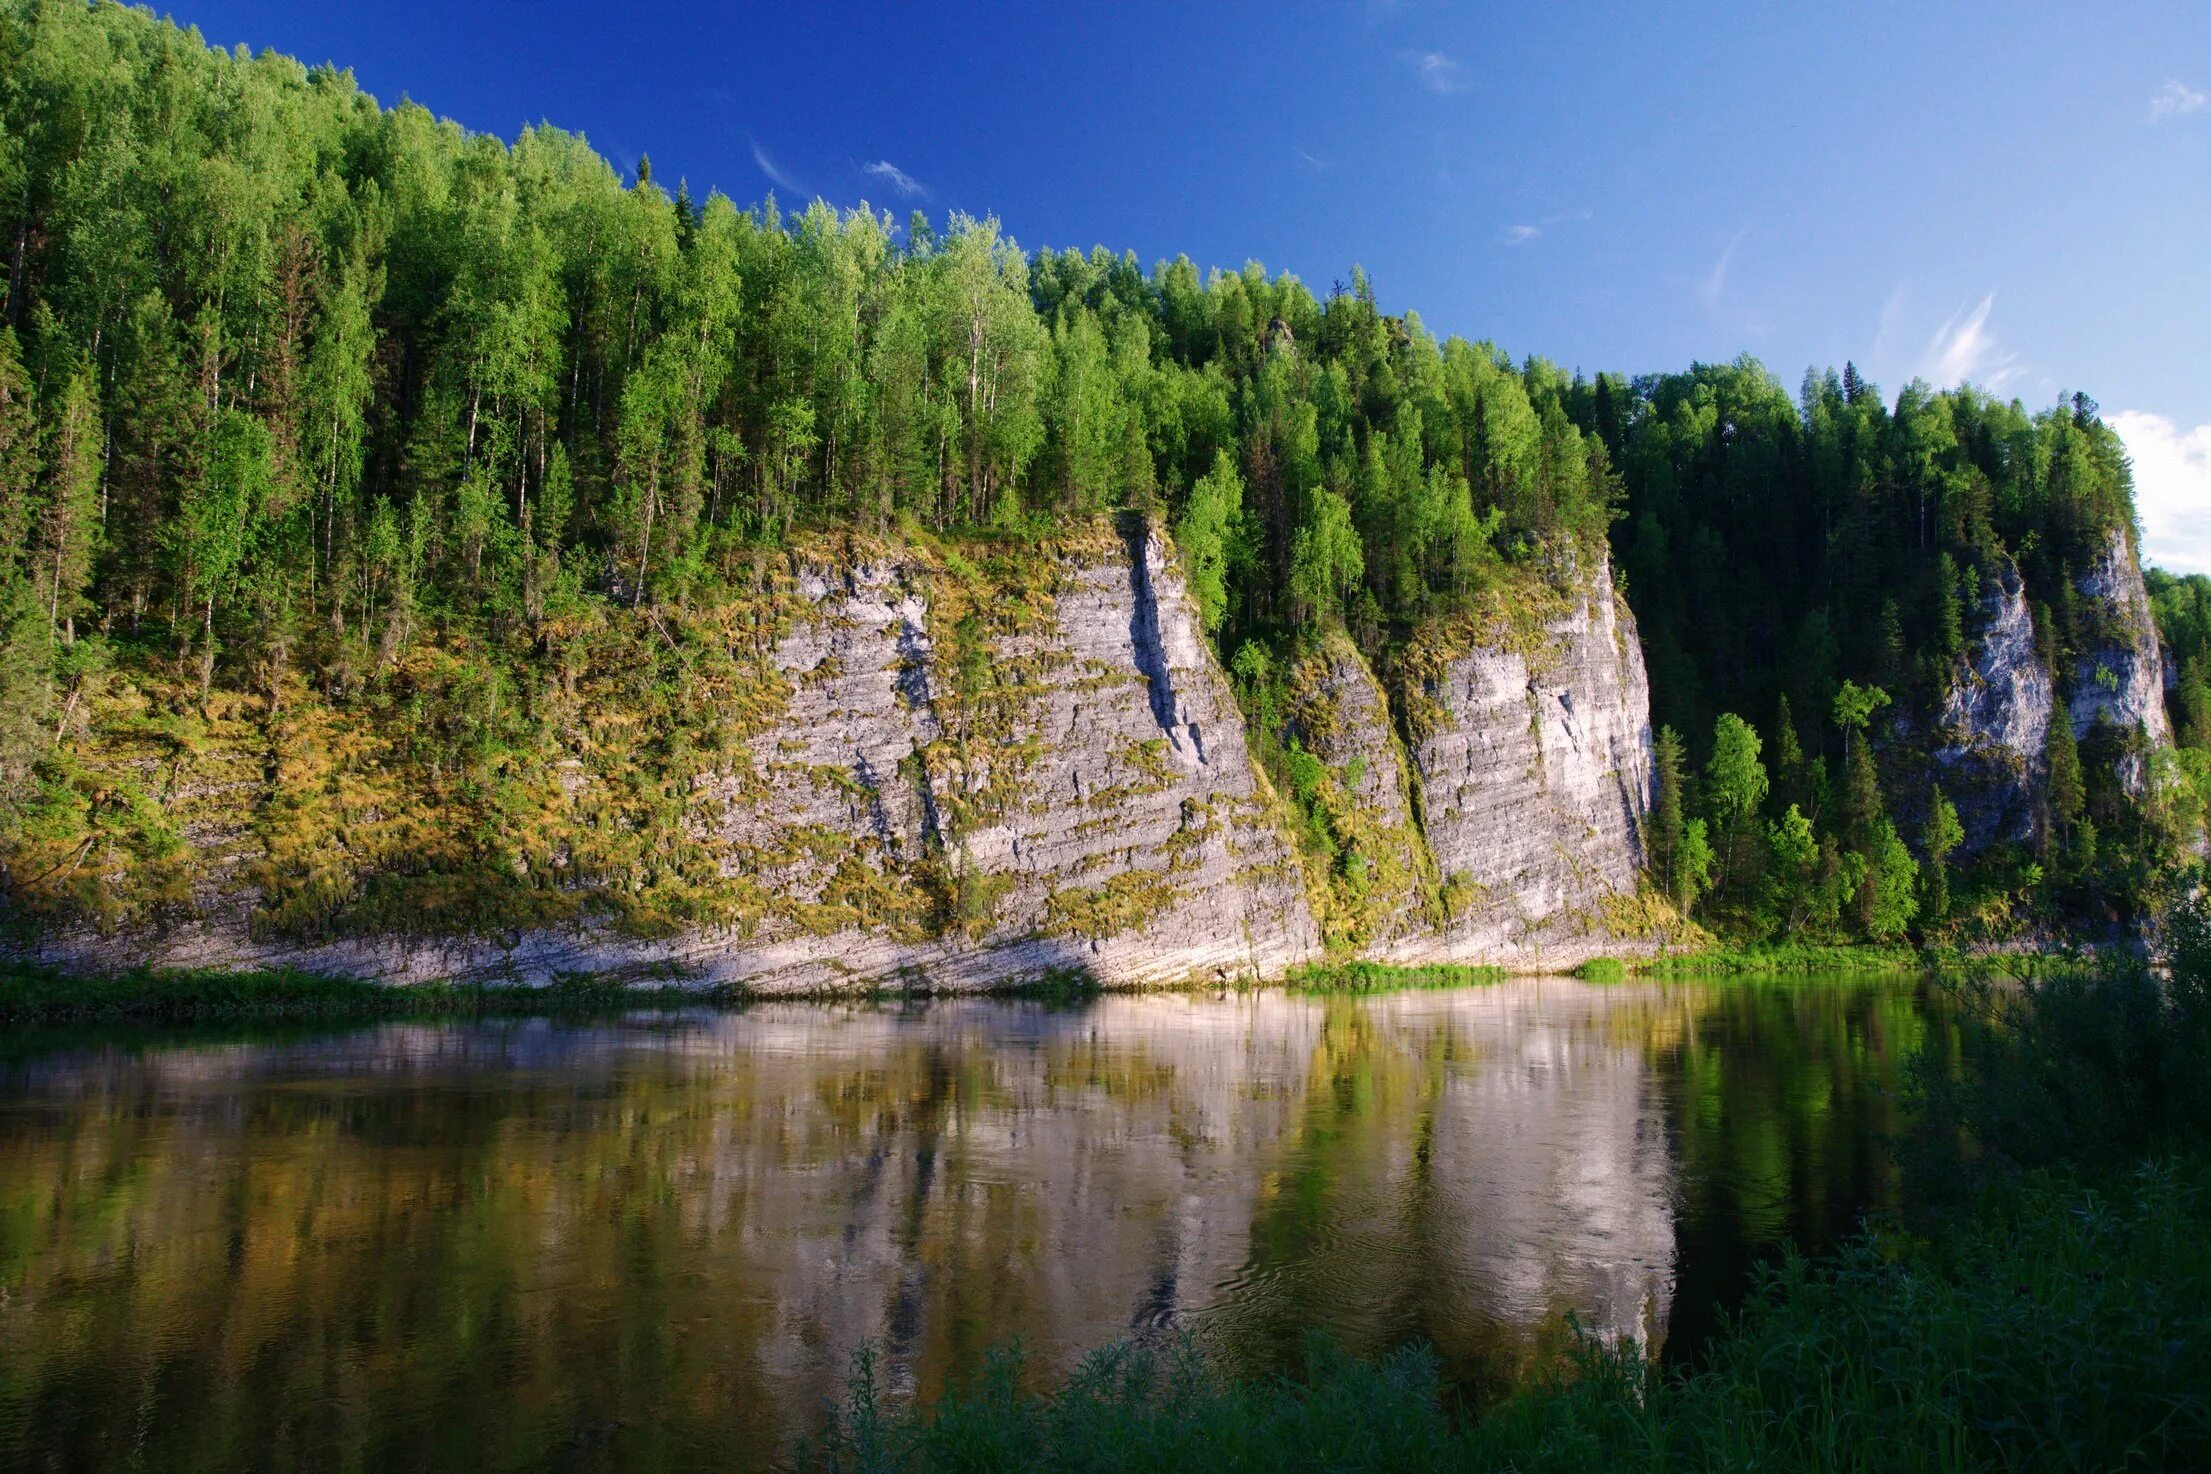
{"x": 68, "y": 526}
{"x": 1668, "y": 817}
{"x": 2066, "y": 794}
{"x": 1940, "y": 840}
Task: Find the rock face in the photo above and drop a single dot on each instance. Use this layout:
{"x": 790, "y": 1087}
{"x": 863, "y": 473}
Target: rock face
{"x": 960, "y": 788}
{"x": 1534, "y": 784}
{"x": 950, "y": 779}
{"x": 1381, "y": 888}
{"x": 1994, "y": 725}
{"x": 2120, "y": 677}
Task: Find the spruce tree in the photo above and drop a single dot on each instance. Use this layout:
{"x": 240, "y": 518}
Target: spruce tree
{"x": 1668, "y": 764}
{"x": 2065, "y": 791}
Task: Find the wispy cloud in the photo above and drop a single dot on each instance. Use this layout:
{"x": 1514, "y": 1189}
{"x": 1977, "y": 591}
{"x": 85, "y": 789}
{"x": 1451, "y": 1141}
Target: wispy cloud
{"x": 1311, "y": 160}
{"x": 1714, "y": 286}
{"x": 2172, "y": 488}
{"x": 1520, "y": 235}
{"x": 1438, "y": 73}
{"x": 2176, "y": 99}
{"x": 1963, "y": 349}
{"x": 1892, "y": 322}
{"x": 898, "y": 179}
{"x": 773, "y": 170}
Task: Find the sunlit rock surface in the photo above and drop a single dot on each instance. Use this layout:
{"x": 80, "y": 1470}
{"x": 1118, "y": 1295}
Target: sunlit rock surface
{"x": 1992, "y": 731}
{"x": 1535, "y": 785}
{"x": 2120, "y": 677}
{"x": 1994, "y": 726}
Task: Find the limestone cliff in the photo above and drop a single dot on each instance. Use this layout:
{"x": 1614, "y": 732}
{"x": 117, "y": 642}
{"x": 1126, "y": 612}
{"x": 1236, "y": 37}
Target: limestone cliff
{"x": 1993, "y": 727}
{"x": 1508, "y": 828}
{"x": 950, "y": 777}
{"x": 1995, "y": 722}
{"x": 935, "y": 767}
{"x": 1533, "y": 755}
{"x": 2119, "y": 675}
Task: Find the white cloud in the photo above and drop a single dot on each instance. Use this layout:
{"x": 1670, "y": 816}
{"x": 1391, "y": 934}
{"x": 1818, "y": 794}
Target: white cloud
{"x": 2172, "y": 488}
{"x": 1715, "y": 281}
{"x": 1313, "y": 161}
{"x": 2176, "y": 99}
{"x": 907, "y": 186}
{"x": 1963, "y": 349}
{"x": 773, "y": 170}
{"x": 1892, "y": 322}
{"x": 1520, "y": 235}
{"x": 1437, "y": 72}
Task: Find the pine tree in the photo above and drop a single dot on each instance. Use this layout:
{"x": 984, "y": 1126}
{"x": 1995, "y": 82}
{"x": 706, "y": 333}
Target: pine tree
{"x": 24, "y": 643}
{"x": 1668, "y": 767}
{"x": 69, "y": 517}
{"x": 2065, "y": 791}
{"x": 1941, "y": 838}
{"x": 1949, "y": 616}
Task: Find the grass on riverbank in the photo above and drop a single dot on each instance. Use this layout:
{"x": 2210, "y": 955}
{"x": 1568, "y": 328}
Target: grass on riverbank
{"x": 2049, "y": 1308}
{"x": 1376, "y": 977}
{"x": 1783, "y": 957}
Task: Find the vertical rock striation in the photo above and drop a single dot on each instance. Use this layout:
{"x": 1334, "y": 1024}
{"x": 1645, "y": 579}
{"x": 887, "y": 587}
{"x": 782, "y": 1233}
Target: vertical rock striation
{"x": 952, "y": 771}
{"x": 1993, "y": 727}
{"x": 1534, "y": 778}
{"x": 2119, "y": 676}
{"x": 1995, "y": 722}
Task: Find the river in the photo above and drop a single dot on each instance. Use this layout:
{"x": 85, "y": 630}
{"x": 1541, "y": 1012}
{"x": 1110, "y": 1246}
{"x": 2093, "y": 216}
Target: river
{"x": 656, "y": 1241}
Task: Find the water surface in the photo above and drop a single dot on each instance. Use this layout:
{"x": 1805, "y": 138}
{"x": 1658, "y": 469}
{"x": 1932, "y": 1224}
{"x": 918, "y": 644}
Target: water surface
{"x": 656, "y": 1241}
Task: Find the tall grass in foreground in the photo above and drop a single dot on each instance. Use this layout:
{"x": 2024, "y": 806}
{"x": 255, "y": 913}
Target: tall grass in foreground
{"x": 2050, "y": 1311}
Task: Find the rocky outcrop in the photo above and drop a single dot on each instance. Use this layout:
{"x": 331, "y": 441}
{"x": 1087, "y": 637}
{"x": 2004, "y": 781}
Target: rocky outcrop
{"x": 959, "y": 781}
{"x": 1994, "y": 724}
{"x": 1534, "y": 765}
{"x": 1993, "y": 728}
{"x": 2119, "y": 674}
{"x": 1379, "y": 886}
{"x": 941, "y": 772}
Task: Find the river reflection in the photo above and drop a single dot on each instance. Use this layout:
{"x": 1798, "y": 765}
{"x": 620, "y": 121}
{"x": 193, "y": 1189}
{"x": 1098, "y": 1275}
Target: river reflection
{"x": 656, "y": 1242}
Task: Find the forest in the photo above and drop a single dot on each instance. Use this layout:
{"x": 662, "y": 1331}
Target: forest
{"x": 295, "y": 388}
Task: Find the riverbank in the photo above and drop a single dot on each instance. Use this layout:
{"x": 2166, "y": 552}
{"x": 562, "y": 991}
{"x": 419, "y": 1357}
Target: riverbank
{"x": 36, "y": 995}
{"x": 2047, "y": 1306}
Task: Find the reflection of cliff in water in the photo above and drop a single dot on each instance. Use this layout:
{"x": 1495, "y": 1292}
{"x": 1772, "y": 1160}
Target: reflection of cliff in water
{"x": 512, "y": 1236}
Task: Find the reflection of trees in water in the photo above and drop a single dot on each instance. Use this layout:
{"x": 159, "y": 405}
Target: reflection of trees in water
{"x": 514, "y": 1243}
{"x": 1782, "y": 1096}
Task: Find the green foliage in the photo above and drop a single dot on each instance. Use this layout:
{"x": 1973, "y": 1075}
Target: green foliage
{"x": 301, "y": 393}
{"x": 1669, "y": 822}
{"x": 1693, "y": 870}
{"x": 1735, "y": 785}
{"x": 1210, "y": 534}
{"x": 1891, "y": 886}
{"x": 1940, "y": 840}
{"x": 1374, "y": 977}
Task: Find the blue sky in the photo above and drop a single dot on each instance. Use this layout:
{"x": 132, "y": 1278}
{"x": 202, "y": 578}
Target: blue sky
{"x": 2015, "y": 194}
